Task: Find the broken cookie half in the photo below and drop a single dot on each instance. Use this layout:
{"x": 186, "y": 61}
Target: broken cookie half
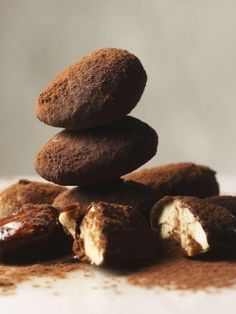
{"x": 110, "y": 235}
{"x": 71, "y": 217}
{"x": 195, "y": 223}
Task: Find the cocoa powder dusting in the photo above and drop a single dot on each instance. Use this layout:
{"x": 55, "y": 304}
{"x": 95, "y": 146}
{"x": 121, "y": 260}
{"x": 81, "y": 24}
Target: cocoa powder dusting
{"x": 11, "y": 276}
{"x": 184, "y": 274}
{"x": 174, "y": 271}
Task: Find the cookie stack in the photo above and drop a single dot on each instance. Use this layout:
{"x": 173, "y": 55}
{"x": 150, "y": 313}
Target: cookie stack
{"x": 103, "y": 214}
{"x": 91, "y": 100}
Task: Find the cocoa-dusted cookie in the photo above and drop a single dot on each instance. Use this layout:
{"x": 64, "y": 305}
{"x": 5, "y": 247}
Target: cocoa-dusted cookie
{"x": 178, "y": 179}
{"x": 226, "y": 201}
{"x": 97, "y": 155}
{"x": 114, "y": 235}
{"x": 102, "y": 87}
{"x": 121, "y": 192}
{"x": 33, "y": 232}
{"x": 196, "y": 224}
{"x": 23, "y": 192}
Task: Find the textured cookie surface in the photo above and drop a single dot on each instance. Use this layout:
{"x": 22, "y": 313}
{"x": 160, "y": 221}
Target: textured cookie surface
{"x": 129, "y": 193}
{"x": 92, "y": 156}
{"x": 178, "y": 179}
{"x": 104, "y": 86}
{"x": 23, "y": 192}
{"x": 226, "y": 201}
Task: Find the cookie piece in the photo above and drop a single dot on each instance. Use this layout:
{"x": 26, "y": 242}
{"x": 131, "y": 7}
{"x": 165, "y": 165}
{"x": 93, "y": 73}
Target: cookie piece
{"x": 178, "y": 179}
{"x": 102, "y": 87}
{"x": 71, "y": 217}
{"x": 115, "y": 235}
{"x": 121, "y": 192}
{"x": 195, "y": 223}
{"x": 97, "y": 155}
{"x": 226, "y": 201}
{"x": 31, "y": 233}
{"x": 23, "y": 192}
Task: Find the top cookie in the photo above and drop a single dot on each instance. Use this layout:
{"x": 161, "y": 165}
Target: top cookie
{"x": 102, "y": 87}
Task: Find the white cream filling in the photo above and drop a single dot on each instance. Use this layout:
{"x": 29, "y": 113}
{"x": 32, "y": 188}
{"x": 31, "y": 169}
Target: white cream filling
{"x": 178, "y": 220}
{"x": 91, "y": 238}
{"x": 68, "y": 222}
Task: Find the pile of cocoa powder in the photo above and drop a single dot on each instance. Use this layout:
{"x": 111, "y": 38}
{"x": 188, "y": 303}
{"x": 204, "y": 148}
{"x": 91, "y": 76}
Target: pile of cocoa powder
{"x": 184, "y": 274}
{"x": 175, "y": 271}
{"x": 172, "y": 271}
{"x": 11, "y": 275}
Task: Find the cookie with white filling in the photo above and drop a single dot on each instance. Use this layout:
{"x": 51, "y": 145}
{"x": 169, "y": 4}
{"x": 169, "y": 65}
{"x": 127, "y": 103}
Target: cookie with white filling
{"x": 113, "y": 235}
{"x": 195, "y": 223}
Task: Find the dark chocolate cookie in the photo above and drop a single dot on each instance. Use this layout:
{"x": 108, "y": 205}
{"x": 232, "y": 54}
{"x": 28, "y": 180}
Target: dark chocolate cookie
{"x": 23, "y": 192}
{"x": 96, "y": 155}
{"x": 226, "y": 201}
{"x": 102, "y": 87}
{"x": 121, "y": 192}
{"x": 178, "y": 179}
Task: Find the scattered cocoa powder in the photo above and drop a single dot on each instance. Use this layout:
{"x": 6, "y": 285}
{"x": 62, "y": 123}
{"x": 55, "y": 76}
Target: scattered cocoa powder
{"x": 184, "y": 274}
{"x": 173, "y": 271}
{"x": 178, "y": 272}
{"x": 11, "y": 276}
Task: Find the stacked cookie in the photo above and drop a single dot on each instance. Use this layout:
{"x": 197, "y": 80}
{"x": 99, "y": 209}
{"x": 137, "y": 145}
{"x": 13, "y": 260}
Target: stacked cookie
{"x": 91, "y": 99}
{"x": 102, "y": 219}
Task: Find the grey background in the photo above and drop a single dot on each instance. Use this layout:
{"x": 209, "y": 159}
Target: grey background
{"x": 188, "y": 48}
